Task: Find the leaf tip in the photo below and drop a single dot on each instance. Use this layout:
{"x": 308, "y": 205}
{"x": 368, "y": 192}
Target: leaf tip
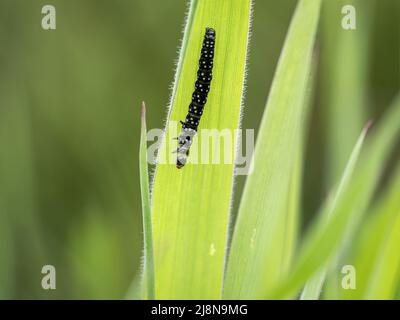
{"x": 143, "y": 115}
{"x": 368, "y": 126}
{"x": 143, "y": 112}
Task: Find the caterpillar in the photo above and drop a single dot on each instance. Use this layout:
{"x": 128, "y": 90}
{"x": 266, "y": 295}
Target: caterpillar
{"x": 199, "y": 98}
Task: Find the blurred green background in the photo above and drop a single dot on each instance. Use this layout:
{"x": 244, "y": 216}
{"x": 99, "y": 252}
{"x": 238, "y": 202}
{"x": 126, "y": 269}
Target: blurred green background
{"x": 69, "y": 124}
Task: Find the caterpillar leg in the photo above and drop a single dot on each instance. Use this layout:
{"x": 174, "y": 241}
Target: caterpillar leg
{"x": 180, "y": 161}
{"x": 179, "y": 165}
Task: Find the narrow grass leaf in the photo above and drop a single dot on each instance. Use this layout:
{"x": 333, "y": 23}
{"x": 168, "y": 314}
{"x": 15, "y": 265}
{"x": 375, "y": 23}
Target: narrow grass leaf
{"x": 375, "y": 255}
{"x": 146, "y": 213}
{"x": 344, "y": 85}
{"x": 264, "y": 235}
{"x": 344, "y": 89}
{"x": 324, "y": 239}
{"x": 191, "y": 206}
{"x": 385, "y": 277}
{"x": 313, "y": 286}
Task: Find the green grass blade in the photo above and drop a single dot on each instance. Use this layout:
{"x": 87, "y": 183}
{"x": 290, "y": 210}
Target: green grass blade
{"x": 344, "y": 90}
{"x": 146, "y": 213}
{"x": 344, "y": 84}
{"x": 263, "y": 238}
{"x": 191, "y": 206}
{"x": 324, "y": 239}
{"x": 388, "y": 269}
{"x": 369, "y": 239}
{"x": 383, "y": 281}
{"x": 313, "y": 287}
{"x": 375, "y": 253}
{"x": 294, "y": 194}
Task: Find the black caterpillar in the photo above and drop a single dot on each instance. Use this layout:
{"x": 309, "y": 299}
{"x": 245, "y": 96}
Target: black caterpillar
{"x": 199, "y": 98}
